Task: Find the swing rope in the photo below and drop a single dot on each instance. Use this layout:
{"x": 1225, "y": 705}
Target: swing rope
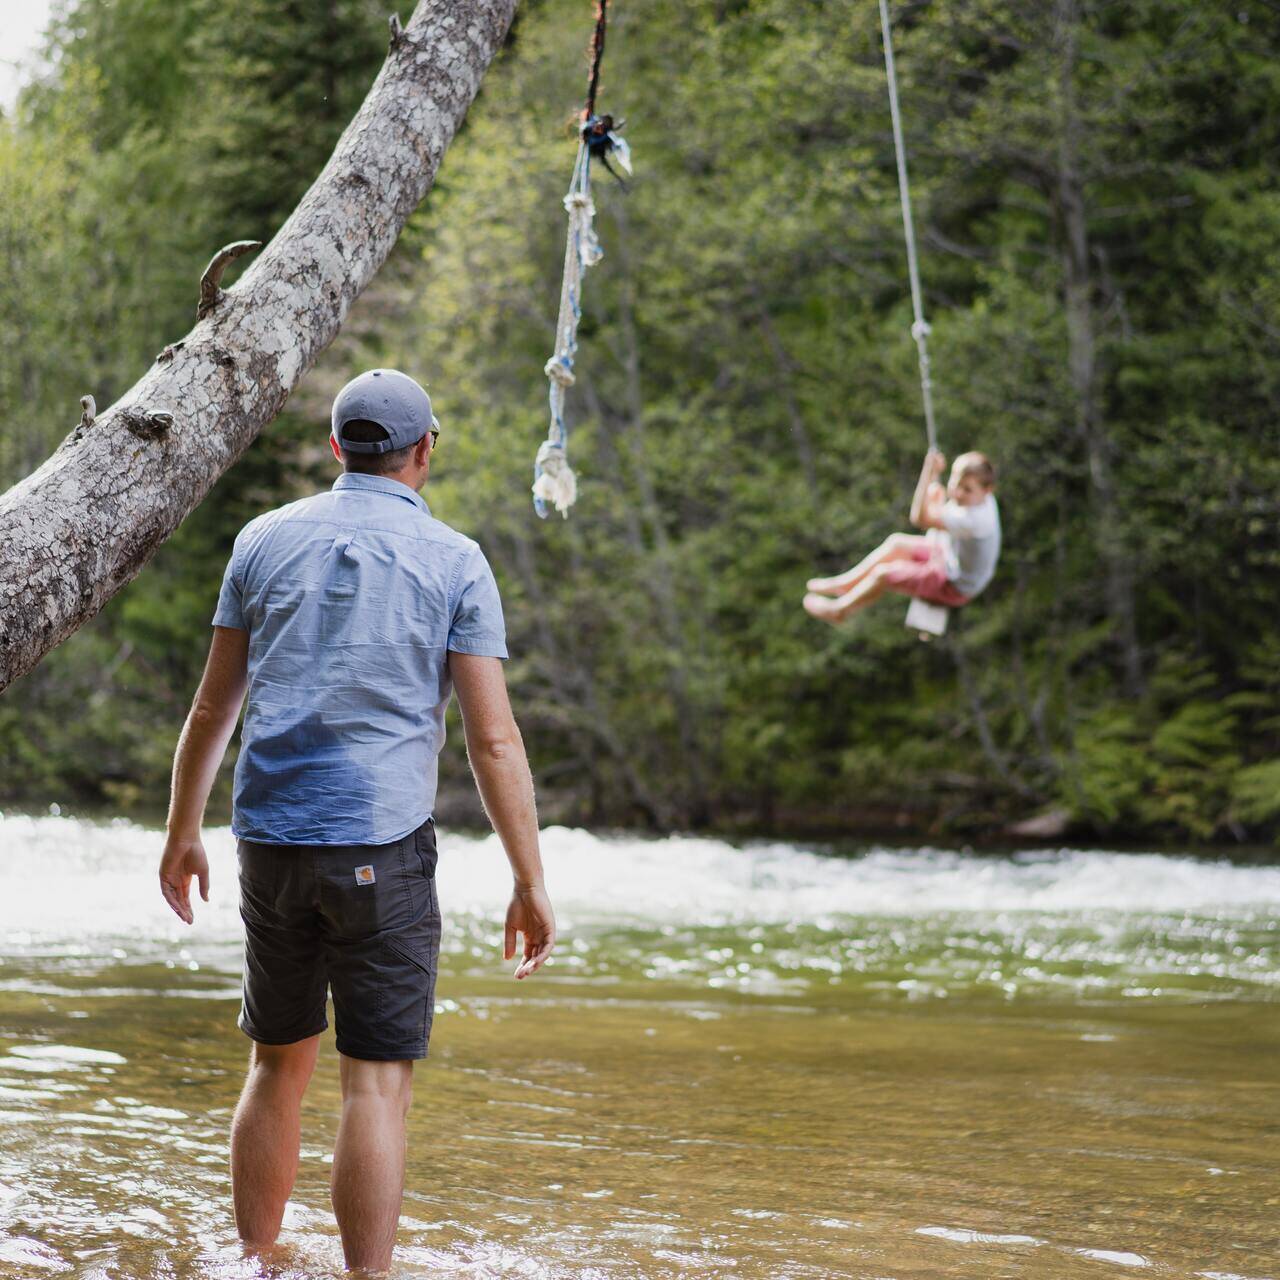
{"x": 554, "y": 484}
{"x": 597, "y": 56}
{"x": 919, "y": 327}
{"x": 553, "y": 480}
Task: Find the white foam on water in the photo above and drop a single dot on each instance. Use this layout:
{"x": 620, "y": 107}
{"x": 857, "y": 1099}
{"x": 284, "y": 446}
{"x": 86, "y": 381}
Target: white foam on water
{"x": 68, "y": 1053}
{"x": 685, "y": 880}
{"x": 101, "y": 877}
{"x": 73, "y": 888}
{"x": 964, "y": 1236}
{"x": 31, "y": 1253}
{"x": 1120, "y": 1258}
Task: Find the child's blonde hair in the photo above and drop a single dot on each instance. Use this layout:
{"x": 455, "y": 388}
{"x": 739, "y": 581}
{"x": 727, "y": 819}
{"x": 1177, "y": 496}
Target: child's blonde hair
{"x": 979, "y": 466}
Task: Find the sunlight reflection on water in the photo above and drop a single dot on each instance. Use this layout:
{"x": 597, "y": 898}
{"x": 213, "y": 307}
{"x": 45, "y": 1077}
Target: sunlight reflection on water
{"x": 745, "y": 1062}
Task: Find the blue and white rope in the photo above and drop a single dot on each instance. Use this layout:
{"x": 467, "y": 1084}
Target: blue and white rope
{"x": 554, "y": 484}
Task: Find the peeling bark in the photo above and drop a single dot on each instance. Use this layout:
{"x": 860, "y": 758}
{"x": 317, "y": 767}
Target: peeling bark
{"x": 83, "y": 525}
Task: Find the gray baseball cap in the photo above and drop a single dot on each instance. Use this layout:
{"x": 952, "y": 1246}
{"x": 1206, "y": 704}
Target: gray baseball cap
{"x": 391, "y": 399}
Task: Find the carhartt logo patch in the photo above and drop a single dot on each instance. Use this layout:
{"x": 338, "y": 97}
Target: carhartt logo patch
{"x": 364, "y": 875}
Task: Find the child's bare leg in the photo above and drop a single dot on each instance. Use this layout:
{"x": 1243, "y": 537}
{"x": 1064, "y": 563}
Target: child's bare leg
{"x": 869, "y": 590}
{"x": 897, "y": 546}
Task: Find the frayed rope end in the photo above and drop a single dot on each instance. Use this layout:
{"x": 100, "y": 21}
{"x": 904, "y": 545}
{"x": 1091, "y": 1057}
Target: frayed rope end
{"x": 553, "y": 480}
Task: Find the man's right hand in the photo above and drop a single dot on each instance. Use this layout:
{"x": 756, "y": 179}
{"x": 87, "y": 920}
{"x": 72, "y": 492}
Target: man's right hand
{"x": 530, "y": 914}
{"x": 182, "y": 861}
{"x": 935, "y": 462}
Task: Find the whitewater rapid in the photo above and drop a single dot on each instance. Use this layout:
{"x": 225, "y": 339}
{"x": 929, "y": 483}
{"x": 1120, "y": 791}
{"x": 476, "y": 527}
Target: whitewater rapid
{"x": 922, "y": 919}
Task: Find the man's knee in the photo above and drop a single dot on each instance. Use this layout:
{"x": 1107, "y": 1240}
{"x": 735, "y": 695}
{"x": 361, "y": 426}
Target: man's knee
{"x": 284, "y": 1061}
{"x": 386, "y": 1081}
{"x": 896, "y": 542}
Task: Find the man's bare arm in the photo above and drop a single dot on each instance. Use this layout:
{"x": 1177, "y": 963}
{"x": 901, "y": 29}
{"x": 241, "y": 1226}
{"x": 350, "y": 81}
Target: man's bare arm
{"x": 501, "y": 770}
{"x": 201, "y": 746}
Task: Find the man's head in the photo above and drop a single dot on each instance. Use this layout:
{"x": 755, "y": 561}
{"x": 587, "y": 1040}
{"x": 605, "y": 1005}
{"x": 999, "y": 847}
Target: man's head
{"x": 382, "y": 425}
{"x": 973, "y": 476}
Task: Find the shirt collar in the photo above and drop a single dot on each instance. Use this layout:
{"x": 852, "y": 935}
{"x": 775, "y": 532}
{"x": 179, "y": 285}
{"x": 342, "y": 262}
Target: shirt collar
{"x": 380, "y": 484}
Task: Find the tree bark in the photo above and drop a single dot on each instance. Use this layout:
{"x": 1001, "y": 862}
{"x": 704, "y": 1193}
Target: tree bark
{"x": 83, "y": 525}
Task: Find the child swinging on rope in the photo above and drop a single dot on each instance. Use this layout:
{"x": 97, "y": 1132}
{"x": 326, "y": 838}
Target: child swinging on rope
{"x": 950, "y": 565}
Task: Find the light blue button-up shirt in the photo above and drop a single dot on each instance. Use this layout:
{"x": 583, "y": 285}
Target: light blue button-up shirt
{"x": 353, "y": 600}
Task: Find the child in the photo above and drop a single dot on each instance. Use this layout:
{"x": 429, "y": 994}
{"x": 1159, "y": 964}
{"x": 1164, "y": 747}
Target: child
{"x": 952, "y": 563}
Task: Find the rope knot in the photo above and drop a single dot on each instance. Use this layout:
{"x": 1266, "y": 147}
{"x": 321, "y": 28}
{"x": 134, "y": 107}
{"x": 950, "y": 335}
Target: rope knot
{"x": 920, "y": 330}
{"x": 553, "y": 479}
{"x": 560, "y": 371}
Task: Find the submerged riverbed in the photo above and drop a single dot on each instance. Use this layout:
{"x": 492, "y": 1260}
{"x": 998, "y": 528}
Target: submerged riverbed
{"x": 757, "y": 1062}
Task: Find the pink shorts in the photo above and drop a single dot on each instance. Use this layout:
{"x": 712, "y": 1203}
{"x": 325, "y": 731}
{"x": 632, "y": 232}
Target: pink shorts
{"x": 923, "y": 574}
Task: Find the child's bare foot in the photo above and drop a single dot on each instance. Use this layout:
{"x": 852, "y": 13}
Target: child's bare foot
{"x": 826, "y": 586}
{"x": 823, "y": 608}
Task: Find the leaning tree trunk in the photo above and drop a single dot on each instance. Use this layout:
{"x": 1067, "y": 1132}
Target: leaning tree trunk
{"x": 82, "y": 526}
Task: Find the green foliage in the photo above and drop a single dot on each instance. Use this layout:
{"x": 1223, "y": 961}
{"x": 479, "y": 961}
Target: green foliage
{"x": 1168, "y": 763}
{"x": 746, "y": 410}
{"x": 1256, "y": 792}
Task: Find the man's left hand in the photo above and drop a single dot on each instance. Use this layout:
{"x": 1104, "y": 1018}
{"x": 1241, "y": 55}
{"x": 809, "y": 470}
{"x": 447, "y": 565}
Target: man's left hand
{"x": 182, "y": 860}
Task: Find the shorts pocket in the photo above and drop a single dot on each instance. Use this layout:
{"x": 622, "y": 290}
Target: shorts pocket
{"x": 257, "y": 876}
{"x": 424, "y": 843}
{"x": 407, "y": 995}
{"x": 406, "y": 951}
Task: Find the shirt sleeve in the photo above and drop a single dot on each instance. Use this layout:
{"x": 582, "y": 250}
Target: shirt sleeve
{"x": 962, "y": 522}
{"x": 476, "y": 626}
{"x": 230, "y": 610}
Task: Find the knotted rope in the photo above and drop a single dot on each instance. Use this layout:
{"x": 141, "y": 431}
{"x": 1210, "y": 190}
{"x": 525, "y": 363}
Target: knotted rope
{"x": 554, "y": 484}
{"x": 553, "y": 480}
{"x": 920, "y": 327}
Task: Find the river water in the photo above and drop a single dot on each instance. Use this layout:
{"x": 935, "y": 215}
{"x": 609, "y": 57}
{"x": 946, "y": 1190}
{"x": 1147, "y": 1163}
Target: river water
{"x": 743, "y": 1062}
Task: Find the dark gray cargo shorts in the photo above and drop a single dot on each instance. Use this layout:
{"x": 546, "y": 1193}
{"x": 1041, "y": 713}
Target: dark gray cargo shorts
{"x": 362, "y": 920}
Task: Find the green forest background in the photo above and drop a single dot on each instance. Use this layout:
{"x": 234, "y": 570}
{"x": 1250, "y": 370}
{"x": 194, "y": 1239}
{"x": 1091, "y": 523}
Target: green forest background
{"x": 1097, "y": 200}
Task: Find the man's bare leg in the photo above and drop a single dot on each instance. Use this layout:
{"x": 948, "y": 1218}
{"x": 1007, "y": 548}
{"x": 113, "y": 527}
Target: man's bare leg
{"x": 897, "y": 546}
{"x": 368, "y": 1159}
{"x": 265, "y": 1136}
{"x": 869, "y": 590}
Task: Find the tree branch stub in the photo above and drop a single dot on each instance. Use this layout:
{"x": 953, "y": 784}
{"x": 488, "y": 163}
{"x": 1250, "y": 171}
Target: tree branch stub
{"x": 210, "y": 282}
{"x": 146, "y": 424}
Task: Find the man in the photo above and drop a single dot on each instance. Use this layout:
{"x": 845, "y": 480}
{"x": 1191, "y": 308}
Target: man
{"x": 349, "y": 617}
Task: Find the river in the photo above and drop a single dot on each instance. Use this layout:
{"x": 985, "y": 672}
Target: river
{"x": 763, "y": 1061}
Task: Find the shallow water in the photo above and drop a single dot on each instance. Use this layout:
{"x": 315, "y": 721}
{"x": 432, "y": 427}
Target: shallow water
{"x": 743, "y": 1062}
